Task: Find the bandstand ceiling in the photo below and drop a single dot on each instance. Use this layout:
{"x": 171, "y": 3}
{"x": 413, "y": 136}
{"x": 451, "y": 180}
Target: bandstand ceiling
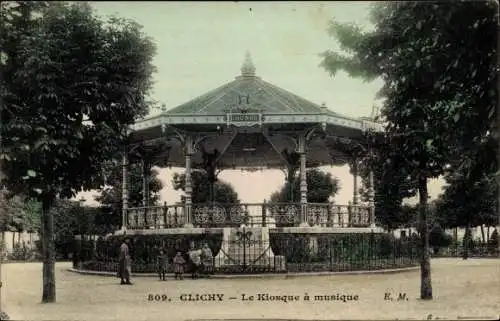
{"x": 249, "y": 122}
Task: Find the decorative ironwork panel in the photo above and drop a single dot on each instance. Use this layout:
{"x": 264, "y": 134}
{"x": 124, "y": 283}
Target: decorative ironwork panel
{"x": 285, "y": 213}
{"x": 208, "y": 213}
{"x": 237, "y": 214}
{"x": 219, "y": 216}
{"x": 317, "y": 214}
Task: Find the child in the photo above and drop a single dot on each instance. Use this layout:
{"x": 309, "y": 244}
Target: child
{"x": 179, "y": 265}
{"x": 162, "y": 265}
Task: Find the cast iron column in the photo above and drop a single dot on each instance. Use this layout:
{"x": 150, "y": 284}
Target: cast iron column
{"x": 145, "y": 182}
{"x": 189, "y": 151}
{"x": 372, "y": 200}
{"x": 303, "y": 181}
{"x": 125, "y": 191}
{"x": 355, "y": 181}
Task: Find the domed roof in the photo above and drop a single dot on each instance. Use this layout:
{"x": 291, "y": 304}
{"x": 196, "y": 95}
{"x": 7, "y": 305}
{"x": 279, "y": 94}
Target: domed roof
{"x": 248, "y": 93}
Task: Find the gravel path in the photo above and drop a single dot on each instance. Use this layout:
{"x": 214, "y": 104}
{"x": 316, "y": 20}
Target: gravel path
{"x": 461, "y": 288}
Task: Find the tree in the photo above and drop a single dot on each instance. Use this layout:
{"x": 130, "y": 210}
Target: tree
{"x": 493, "y": 242}
{"x": 71, "y": 218}
{"x": 86, "y": 81}
{"x": 110, "y": 196}
{"x": 467, "y": 203}
{"x": 392, "y": 185}
{"x": 320, "y": 187}
{"x": 438, "y": 239}
{"x": 224, "y": 192}
{"x": 33, "y": 210}
{"x": 436, "y": 61}
{"x": 13, "y": 216}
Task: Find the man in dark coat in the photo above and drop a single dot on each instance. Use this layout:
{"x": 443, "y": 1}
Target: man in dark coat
{"x": 125, "y": 263}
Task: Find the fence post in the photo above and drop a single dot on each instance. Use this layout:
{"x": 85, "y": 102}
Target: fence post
{"x": 247, "y": 217}
{"x": 329, "y": 220}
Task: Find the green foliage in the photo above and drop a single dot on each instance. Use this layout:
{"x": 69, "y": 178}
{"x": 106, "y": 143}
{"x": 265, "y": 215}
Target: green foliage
{"x": 71, "y": 218}
{"x": 71, "y": 86}
{"x": 438, "y": 238}
{"x": 468, "y": 203}
{"x": 468, "y": 243}
{"x": 33, "y": 210}
{"x": 320, "y": 187}
{"x": 12, "y": 214}
{"x": 110, "y": 196}
{"x": 223, "y": 192}
{"x": 392, "y": 186}
{"x": 439, "y": 79}
{"x": 493, "y": 242}
{"x": 86, "y": 81}
{"x": 438, "y": 65}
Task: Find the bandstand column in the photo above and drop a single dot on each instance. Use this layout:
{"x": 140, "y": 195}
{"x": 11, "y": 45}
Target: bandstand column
{"x": 145, "y": 182}
{"x": 124, "y": 191}
{"x": 371, "y": 191}
{"x": 355, "y": 199}
{"x": 303, "y": 181}
{"x": 189, "y": 151}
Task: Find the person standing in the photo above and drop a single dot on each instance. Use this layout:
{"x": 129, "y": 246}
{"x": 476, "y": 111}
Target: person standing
{"x": 207, "y": 259}
{"x": 179, "y": 265}
{"x": 125, "y": 269}
{"x": 162, "y": 265}
{"x": 195, "y": 258}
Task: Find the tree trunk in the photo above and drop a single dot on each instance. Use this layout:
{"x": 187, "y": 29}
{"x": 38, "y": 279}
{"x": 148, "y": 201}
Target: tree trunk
{"x": 425, "y": 262}
{"x": 49, "y": 279}
{"x": 466, "y": 242}
{"x": 482, "y": 235}
{"x": 487, "y": 234}
{"x": 455, "y": 234}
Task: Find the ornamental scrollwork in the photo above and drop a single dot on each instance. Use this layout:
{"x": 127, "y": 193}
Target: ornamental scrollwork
{"x": 236, "y": 214}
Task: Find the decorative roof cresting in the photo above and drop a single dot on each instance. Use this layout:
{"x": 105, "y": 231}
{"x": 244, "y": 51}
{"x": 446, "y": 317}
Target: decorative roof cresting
{"x": 248, "y": 68}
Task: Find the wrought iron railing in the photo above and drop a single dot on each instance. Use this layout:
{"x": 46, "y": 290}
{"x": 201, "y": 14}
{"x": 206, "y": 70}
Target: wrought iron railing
{"x": 246, "y": 253}
{"x": 251, "y": 214}
{"x": 155, "y": 217}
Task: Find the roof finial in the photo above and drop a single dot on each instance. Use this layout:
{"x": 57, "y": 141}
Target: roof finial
{"x": 248, "y": 69}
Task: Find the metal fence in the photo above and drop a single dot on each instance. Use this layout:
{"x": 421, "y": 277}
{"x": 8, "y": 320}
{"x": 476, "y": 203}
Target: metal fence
{"x": 281, "y": 253}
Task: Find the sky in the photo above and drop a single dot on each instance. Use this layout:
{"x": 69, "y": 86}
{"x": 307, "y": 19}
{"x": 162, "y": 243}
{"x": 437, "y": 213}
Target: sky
{"x": 201, "y": 45}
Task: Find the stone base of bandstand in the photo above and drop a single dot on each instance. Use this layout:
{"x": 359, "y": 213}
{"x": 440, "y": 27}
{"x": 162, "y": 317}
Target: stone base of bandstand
{"x": 261, "y": 254}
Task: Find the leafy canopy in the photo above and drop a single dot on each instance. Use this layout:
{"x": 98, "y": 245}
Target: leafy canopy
{"x": 437, "y": 62}
{"x": 223, "y": 192}
{"x": 72, "y": 85}
{"x": 320, "y": 187}
{"x": 110, "y": 196}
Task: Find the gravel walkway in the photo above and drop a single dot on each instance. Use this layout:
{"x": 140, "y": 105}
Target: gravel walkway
{"x": 461, "y": 289}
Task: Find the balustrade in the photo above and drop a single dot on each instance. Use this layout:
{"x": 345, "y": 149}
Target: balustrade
{"x": 251, "y": 214}
{"x": 155, "y": 217}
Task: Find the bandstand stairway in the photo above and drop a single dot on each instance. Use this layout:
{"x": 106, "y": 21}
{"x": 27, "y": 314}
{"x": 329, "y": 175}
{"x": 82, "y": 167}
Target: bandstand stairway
{"x": 248, "y": 249}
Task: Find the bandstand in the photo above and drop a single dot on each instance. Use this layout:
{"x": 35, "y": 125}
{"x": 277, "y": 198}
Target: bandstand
{"x": 249, "y": 124}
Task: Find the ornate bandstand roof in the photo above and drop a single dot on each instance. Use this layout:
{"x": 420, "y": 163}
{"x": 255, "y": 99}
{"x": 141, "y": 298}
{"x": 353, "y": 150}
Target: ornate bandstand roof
{"x": 248, "y": 91}
{"x": 249, "y": 122}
